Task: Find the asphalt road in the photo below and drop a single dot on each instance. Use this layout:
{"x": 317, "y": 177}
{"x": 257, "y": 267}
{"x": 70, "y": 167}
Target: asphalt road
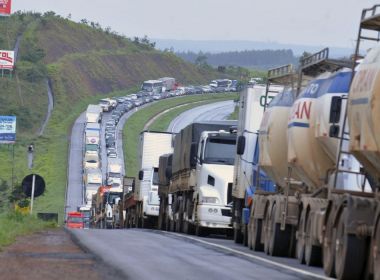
{"x": 214, "y": 111}
{"x": 146, "y": 254}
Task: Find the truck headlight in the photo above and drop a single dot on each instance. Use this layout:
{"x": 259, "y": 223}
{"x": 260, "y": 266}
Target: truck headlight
{"x": 210, "y": 199}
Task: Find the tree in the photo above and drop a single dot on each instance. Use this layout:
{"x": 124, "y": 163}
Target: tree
{"x": 201, "y": 60}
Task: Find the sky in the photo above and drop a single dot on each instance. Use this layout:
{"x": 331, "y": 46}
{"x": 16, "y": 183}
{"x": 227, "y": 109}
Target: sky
{"x": 309, "y": 22}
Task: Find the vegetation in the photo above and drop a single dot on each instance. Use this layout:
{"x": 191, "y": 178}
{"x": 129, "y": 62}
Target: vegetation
{"x": 15, "y": 224}
{"x": 235, "y": 113}
{"x": 254, "y": 59}
{"x": 136, "y": 122}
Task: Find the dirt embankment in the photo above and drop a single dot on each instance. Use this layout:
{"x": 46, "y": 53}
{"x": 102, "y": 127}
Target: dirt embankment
{"x": 51, "y": 255}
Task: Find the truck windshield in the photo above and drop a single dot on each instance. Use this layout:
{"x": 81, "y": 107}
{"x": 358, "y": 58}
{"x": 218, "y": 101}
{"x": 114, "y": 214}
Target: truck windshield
{"x": 220, "y": 151}
{"x": 75, "y": 220}
{"x": 112, "y": 196}
{"x": 147, "y": 87}
{"x": 114, "y": 174}
{"x": 155, "y": 176}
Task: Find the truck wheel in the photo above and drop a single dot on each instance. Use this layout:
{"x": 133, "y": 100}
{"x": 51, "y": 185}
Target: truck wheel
{"x": 200, "y": 231}
{"x": 250, "y": 233}
{"x": 245, "y": 235}
{"x": 350, "y": 252}
{"x": 238, "y": 236}
{"x": 267, "y": 230}
{"x": 376, "y": 253}
{"x": 313, "y": 253}
{"x": 172, "y": 225}
{"x": 329, "y": 247}
{"x": 167, "y": 223}
{"x": 279, "y": 240}
{"x": 300, "y": 245}
{"x": 256, "y": 235}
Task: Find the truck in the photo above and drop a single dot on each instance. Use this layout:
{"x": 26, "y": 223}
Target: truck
{"x": 142, "y": 205}
{"x": 105, "y": 104}
{"x": 92, "y": 140}
{"x": 91, "y": 159}
{"x": 102, "y": 206}
{"x": 92, "y": 180}
{"x": 93, "y": 113}
{"x": 74, "y": 220}
{"x": 201, "y": 180}
{"x": 252, "y": 102}
{"x": 86, "y": 212}
{"x": 152, "y": 86}
{"x": 114, "y": 172}
{"x": 168, "y": 84}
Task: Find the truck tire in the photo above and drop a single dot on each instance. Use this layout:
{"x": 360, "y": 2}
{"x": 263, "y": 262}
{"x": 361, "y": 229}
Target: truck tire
{"x": 238, "y": 236}
{"x": 279, "y": 240}
{"x": 313, "y": 253}
{"x": 376, "y": 253}
{"x": 329, "y": 247}
{"x": 245, "y": 235}
{"x": 350, "y": 252}
{"x": 201, "y": 231}
{"x": 300, "y": 245}
{"x": 256, "y": 235}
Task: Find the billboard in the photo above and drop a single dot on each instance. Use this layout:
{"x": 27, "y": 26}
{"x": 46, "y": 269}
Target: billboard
{"x": 5, "y": 7}
{"x": 7, "y": 59}
{"x": 7, "y": 129}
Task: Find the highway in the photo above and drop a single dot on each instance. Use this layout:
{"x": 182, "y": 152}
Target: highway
{"x": 153, "y": 254}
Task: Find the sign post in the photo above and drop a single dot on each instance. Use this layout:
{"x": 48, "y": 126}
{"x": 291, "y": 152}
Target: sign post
{"x": 32, "y": 194}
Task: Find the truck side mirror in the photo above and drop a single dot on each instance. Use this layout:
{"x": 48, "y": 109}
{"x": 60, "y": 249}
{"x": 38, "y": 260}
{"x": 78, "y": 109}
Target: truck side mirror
{"x": 193, "y": 154}
{"x": 334, "y": 131}
{"x": 240, "y": 147}
{"x": 335, "y": 109}
{"x": 141, "y": 175}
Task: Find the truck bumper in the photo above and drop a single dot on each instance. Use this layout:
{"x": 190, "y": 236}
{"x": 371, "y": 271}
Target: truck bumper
{"x": 151, "y": 210}
{"x": 212, "y": 216}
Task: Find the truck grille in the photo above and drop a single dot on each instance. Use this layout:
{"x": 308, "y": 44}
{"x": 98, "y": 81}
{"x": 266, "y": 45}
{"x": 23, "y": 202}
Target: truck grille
{"x": 227, "y": 212}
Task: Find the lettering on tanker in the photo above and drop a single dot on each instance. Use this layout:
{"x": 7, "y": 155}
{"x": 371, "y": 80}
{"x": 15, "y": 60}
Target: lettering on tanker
{"x": 301, "y": 110}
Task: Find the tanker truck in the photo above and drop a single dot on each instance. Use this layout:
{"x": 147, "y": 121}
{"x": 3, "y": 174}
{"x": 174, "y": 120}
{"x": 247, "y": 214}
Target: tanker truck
{"x": 200, "y": 188}
{"x": 142, "y": 205}
{"x": 251, "y": 107}
{"x": 300, "y": 165}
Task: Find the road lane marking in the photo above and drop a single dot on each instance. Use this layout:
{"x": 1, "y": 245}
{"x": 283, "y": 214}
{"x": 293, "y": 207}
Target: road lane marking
{"x": 273, "y": 263}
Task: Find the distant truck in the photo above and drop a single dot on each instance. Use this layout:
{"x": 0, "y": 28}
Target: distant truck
{"x": 114, "y": 172}
{"x": 168, "y": 84}
{"x": 91, "y": 160}
{"x": 86, "y": 211}
{"x": 201, "y": 181}
{"x": 142, "y": 205}
{"x": 92, "y": 180}
{"x": 74, "y": 220}
{"x": 102, "y": 206}
{"x": 93, "y": 113}
{"x": 221, "y": 83}
{"x": 105, "y": 104}
{"x": 92, "y": 137}
{"x": 152, "y": 86}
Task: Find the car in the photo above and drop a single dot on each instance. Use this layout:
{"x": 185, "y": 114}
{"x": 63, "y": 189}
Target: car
{"x": 111, "y": 152}
{"x": 110, "y": 124}
{"x": 133, "y": 96}
{"x": 115, "y": 118}
{"x": 138, "y": 102}
{"x": 110, "y": 134}
{"x": 156, "y": 97}
{"x": 128, "y": 104}
{"x": 110, "y": 142}
{"x": 120, "y": 99}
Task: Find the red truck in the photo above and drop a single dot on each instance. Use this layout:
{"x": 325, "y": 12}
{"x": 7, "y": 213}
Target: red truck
{"x": 75, "y": 220}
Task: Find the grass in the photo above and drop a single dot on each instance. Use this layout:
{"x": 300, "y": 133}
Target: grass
{"x": 235, "y": 113}
{"x": 15, "y": 224}
{"x": 136, "y": 122}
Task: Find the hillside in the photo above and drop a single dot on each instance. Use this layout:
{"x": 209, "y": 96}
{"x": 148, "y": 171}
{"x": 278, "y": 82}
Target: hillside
{"x": 84, "y": 62}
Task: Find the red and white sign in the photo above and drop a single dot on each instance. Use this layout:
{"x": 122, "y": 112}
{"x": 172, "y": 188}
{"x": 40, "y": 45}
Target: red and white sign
{"x": 7, "y": 59}
{"x": 5, "y": 7}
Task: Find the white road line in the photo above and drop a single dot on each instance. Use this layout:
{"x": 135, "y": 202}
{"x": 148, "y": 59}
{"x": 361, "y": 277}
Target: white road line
{"x": 280, "y": 265}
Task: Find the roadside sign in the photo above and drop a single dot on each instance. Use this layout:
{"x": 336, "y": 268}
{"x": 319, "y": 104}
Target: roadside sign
{"x": 7, "y": 59}
{"x": 5, "y": 7}
{"x": 7, "y": 129}
{"x": 39, "y": 185}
